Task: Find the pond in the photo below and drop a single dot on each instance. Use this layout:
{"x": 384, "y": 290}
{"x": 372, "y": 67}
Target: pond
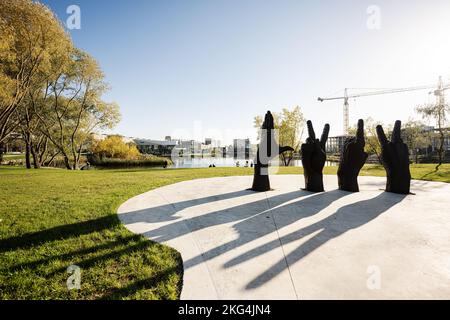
{"x": 205, "y": 162}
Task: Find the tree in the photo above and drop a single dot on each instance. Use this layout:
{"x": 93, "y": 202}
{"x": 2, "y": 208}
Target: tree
{"x": 290, "y": 126}
{"x": 115, "y": 147}
{"x": 71, "y": 107}
{"x": 30, "y": 37}
{"x": 438, "y": 112}
{"x": 50, "y": 91}
{"x": 8, "y": 83}
{"x": 36, "y": 143}
{"x": 372, "y": 145}
{"x": 2, "y": 150}
{"x": 414, "y": 137}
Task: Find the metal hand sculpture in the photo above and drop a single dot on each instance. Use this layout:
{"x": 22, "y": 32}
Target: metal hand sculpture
{"x": 395, "y": 159}
{"x": 269, "y": 146}
{"x": 352, "y": 160}
{"x": 313, "y": 158}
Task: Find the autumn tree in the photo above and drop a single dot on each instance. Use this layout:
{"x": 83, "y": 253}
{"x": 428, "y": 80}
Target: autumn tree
{"x": 71, "y": 108}
{"x": 8, "y": 83}
{"x": 30, "y": 36}
{"x": 115, "y": 147}
{"x": 50, "y": 91}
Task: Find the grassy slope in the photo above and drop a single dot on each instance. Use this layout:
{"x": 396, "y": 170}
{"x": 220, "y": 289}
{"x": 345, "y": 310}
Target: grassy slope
{"x": 50, "y": 219}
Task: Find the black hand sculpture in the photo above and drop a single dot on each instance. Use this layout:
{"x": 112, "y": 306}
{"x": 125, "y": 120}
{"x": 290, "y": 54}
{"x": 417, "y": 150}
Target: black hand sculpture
{"x": 352, "y": 160}
{"x": 395, "y": 159}
{"x": 261, "y": 174}
{"x": 313, "y": 158}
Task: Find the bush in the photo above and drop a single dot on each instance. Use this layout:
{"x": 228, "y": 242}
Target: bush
{"x": 124, "y": 163}
{"x": 115, "y": 148}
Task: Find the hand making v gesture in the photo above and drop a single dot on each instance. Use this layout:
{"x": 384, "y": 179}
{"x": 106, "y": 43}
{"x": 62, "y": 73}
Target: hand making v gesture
{"x": 314, "y": 157}
{"x": 395, "y": 159}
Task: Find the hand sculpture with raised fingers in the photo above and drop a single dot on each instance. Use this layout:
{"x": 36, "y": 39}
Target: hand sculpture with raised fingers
{"x": 395, "y": 159}
{"x": 352, "y": 160}
{"x": 268, "y": 149}
{"x": 313, "y": 158}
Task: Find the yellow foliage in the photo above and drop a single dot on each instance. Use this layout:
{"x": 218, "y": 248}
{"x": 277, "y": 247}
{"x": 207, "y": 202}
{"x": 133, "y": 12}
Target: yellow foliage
{"x": 114, "y": 147}
{"x": 30, "y": 37}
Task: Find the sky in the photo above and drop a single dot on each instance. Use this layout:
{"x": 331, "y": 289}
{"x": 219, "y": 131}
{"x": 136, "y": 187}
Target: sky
{"x": 194, "y": 69}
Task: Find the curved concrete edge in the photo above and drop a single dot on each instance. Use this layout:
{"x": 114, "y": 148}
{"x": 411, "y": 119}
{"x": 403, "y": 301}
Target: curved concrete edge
{"x": 180, "y": 216}
{"x": 185, "y": 244}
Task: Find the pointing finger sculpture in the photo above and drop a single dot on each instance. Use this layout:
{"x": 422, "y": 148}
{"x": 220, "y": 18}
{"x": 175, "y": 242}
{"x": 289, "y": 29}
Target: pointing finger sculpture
{"x": 268, "y": 149}
{"x": 352, "y": 160}
{"x": 395, "y": 159}
{"x": 313, "y": 158}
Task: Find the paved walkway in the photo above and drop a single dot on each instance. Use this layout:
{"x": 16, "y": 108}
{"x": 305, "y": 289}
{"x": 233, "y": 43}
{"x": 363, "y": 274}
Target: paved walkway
{"x": 292, "y": 244}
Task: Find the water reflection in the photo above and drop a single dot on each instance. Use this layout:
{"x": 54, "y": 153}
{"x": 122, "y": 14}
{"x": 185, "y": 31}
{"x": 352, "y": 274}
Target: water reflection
{"x": 205, "y": 162}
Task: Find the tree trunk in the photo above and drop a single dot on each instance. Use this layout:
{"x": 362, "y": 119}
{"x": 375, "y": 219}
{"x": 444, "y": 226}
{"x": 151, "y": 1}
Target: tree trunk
{"x": 36, "y": 161}
{"x": 49, "y": 162}
{"x": 67, "y": 162}
{"x": 441, "y": 148}
{"x": 27, "y": 154}
{"x": 379, "y": 158}
{"x": 2, "y": 150}
{"x": 289, "y": 159}
{"x": 43, "y": 151}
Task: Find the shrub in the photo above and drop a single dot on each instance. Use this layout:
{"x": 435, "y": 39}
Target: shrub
{"x": 132, "y": 163}
{"x": 115, "y": 148}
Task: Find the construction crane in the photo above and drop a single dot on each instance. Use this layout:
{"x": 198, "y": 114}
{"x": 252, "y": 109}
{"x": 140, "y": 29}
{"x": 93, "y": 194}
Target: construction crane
{"x": 440, "y": 101}
{"x": 439, "y": 93}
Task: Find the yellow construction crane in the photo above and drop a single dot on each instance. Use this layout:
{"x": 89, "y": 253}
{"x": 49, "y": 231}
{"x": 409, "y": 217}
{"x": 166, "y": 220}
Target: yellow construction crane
{"x": 438, "y": 92}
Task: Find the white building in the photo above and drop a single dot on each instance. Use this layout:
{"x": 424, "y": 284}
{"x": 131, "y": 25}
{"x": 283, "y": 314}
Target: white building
{"x": 156, "y": 147}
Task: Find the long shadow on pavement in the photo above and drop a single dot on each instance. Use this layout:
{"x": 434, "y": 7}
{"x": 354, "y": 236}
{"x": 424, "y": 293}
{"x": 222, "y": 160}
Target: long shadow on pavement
{"x": 261, "y": 224}
{"x": 344, "y": 219}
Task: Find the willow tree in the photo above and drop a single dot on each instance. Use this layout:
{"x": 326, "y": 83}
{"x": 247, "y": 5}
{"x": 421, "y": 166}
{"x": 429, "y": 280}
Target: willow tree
{"x": 30, "y": 37}
{"x": 71, "y": 107}
{"x": 7, "y": 83}
{"x": 49, "y": 91}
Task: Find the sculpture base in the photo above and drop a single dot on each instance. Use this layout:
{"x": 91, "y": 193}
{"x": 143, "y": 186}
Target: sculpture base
{"x": 314, "y": 183}
{"x": 260, "y": 184}
{"x": 349, "y": 184}
{"x": 398, "y": 184}
{"x": 261, "y": 180}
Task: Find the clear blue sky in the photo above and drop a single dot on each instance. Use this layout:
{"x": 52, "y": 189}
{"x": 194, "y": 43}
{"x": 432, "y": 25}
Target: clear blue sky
{"x": 206, "y": 68}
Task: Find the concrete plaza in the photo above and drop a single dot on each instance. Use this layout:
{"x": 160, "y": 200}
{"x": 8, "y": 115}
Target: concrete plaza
{"x": 293, "y": 244}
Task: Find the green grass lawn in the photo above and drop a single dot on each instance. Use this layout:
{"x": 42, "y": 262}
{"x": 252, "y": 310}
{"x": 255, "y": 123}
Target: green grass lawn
{"x": 51, "y": 219}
